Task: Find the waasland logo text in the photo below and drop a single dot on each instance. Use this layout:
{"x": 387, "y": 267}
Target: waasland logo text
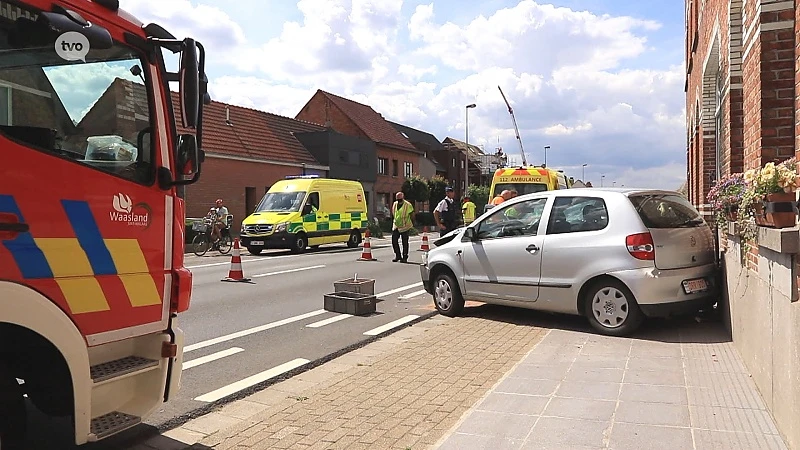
{"x": 126, "y": 212}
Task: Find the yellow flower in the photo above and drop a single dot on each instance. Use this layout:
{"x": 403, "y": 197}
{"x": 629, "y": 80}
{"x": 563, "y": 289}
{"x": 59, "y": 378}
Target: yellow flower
{"x": 750, "y": 175}
{"x": 767, "y": 173}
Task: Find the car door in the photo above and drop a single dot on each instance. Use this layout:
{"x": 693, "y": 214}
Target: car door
{"x": 504, "y": 261}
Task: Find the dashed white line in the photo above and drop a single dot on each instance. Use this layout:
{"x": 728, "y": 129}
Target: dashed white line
{"x": 300, "y": 269}
{"x": 251, "y": 380}
{"x": 253, "y": 330}
{"x": 329, "y": 320}
{"x": 244, "y": 261}
{"x": 400, "y": 289}
{"x": 391, "y": 325}
{"x": 212, "y": 357}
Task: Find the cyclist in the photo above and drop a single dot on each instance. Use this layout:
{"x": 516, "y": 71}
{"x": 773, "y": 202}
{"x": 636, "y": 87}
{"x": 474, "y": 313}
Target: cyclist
{"x": 220, "y": 220}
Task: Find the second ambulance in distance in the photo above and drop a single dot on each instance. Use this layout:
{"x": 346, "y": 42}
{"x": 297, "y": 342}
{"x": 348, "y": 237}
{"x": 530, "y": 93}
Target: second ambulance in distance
{"x": 526, "y": 180}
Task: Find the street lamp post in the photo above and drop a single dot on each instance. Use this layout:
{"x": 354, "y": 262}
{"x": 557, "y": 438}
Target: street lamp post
{"x": 602, "y": 177}
{"x": 583, "y": 173}
{"x": 546, "y": 147}
{"x": 466, "y": 153}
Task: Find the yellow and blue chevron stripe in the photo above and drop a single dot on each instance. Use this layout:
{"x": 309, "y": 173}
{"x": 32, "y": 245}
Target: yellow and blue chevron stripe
{"x": 87, "y": 268}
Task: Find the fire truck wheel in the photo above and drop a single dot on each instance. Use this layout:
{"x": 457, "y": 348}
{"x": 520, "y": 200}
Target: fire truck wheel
{"x": 13, "y": 414}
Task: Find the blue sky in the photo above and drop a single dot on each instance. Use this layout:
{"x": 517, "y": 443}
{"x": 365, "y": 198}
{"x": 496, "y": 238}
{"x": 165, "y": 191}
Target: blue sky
{"x": 600, "y": 81}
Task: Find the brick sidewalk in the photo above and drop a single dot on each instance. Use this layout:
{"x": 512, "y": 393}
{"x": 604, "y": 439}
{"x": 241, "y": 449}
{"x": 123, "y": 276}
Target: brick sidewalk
{"x": 403, "y": 391}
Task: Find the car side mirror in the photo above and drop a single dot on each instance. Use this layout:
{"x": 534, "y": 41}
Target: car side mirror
{"x": 471, "y": 234}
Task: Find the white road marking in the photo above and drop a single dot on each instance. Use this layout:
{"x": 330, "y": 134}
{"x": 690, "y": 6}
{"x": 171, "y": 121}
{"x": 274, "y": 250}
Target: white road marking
{"x": 390, "y": 325}
{"x": 400, "y": 289}
{"x": 198, "y": 266}
{"x": 253, "y": 330}
{"x": 414, "y": 294}
{"x": 244, "y": 261}
{"x": 300, "y": 269}
{"x": 212, "y": 357}
{"x": 329, "y": 320}
{"x": 251, "y": 380}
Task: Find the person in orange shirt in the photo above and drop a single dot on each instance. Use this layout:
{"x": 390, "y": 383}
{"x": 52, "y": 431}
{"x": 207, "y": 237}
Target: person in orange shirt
{"x": 505, "y": 195}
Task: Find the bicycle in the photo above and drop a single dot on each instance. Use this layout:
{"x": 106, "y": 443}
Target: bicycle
{"x": 202, "y": 241}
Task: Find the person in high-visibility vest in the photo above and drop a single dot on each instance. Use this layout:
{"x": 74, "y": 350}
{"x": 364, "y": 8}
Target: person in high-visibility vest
{"x": 469, "y": 211}
{"x": 402, "y": 222}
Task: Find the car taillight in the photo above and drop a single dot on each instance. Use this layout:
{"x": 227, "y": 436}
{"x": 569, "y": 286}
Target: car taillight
{"x": 640, "y": 246}
{"x": 181, "y": 290}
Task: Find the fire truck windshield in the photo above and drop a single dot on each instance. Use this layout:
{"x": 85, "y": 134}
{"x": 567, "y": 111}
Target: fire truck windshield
{"x": 88, "y": 105}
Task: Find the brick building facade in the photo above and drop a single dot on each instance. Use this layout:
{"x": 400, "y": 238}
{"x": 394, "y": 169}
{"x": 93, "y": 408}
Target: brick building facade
{"x": 740, "y": 88}
{"x": 397, "y": 157}
{"x": 247, "y": 151}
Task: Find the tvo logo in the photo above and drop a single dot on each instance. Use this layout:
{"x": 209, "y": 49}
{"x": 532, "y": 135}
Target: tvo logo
{"x": 72, "y": 46}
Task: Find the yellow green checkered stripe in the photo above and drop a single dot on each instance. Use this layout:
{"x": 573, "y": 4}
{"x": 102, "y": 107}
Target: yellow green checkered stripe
{"x": 337, "y": 221}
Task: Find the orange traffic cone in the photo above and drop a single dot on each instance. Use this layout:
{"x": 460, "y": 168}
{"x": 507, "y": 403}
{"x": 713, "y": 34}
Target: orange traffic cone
{"x": 424, "y": 247}
{"x": 236, "y": 273}
{"x": 366, "y": 254}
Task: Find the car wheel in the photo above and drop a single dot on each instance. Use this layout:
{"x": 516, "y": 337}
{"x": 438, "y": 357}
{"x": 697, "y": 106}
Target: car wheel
{"x": 255, "y": 250}
{"x": 611, "y": 308}
{"x": 300, "y": 243}
{"x": 447, "y": 295}
{"x": 355, "y": 239}
{"x": 13, "y": 414}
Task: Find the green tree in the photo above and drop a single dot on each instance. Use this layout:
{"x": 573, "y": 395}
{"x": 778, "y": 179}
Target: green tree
{"x": 436, "y": 187}
{"x": 480, "y": 196}
{"x": 416, "y": 189}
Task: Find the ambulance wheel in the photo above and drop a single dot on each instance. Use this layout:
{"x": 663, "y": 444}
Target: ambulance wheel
{"x": 299, "y": 243}
{"x": 13, "y": 414}
{"x": 355, "y": 239}
{"x": 255, "y": 250}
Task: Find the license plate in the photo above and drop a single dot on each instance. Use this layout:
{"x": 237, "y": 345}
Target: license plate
{"x": 256, "y": 242}
{"x": 696, "y": 285}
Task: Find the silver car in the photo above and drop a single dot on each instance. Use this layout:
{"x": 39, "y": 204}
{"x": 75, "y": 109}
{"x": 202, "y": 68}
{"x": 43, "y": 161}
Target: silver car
{"x": 615, "y": 256}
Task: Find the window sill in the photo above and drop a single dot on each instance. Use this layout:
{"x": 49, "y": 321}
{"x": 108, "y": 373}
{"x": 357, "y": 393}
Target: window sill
{"x": 779, "y": 240}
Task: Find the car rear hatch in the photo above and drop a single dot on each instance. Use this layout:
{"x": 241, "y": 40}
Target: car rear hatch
{"x": 681, "y": 237}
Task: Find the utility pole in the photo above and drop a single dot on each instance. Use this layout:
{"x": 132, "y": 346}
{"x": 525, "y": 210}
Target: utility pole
{"x": 546, "y": 147}
{"x": 466, "y": 154}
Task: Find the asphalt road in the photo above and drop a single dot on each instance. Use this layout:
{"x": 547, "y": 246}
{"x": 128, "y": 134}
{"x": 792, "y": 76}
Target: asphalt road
{"x": 240, "y": 336}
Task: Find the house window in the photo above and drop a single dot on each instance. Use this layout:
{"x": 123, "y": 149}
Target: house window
{"x": 454, "y": 162}
{"x": 5, "y": 105}
{"x": 408, "y": 169}
{"x": 462, "y": 163}
{"x": 383, "y": 164}
{"x": 395, "y": 168}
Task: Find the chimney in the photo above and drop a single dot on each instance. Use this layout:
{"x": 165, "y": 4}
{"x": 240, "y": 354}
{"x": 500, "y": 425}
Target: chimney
{"x": 228, "y": 116}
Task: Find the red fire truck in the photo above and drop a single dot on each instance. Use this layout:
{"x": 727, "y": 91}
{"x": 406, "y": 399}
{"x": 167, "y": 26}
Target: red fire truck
{"x": 92, "y": 170}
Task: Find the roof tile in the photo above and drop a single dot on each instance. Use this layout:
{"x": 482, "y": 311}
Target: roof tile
{"x": 251, "y": 133}
{"x": 370, "y": 121}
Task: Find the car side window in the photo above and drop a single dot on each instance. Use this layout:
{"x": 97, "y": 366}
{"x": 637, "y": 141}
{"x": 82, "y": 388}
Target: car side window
{"x": 519, "y": 219}
{"x": 577, "y": 214}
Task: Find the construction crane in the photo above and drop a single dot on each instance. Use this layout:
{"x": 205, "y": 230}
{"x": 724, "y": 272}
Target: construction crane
{"x": 516, "y": 129}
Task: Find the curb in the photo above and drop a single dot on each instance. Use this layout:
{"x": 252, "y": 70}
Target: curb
{"x": 178, "y": 421}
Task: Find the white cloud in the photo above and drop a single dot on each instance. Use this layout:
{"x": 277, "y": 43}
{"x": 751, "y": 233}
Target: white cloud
{"x": 530, "y": 36}
{"x": 208, "y": 24}
{"x": 568, "y": 75}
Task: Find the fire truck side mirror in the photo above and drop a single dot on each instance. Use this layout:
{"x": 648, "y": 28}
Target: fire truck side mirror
{"x": 189, "y": 84}
{"x": 188, "y": 155}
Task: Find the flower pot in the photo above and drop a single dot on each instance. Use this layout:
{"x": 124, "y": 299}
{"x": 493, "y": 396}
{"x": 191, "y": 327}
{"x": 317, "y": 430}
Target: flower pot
{"x": 779, "y": 210}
